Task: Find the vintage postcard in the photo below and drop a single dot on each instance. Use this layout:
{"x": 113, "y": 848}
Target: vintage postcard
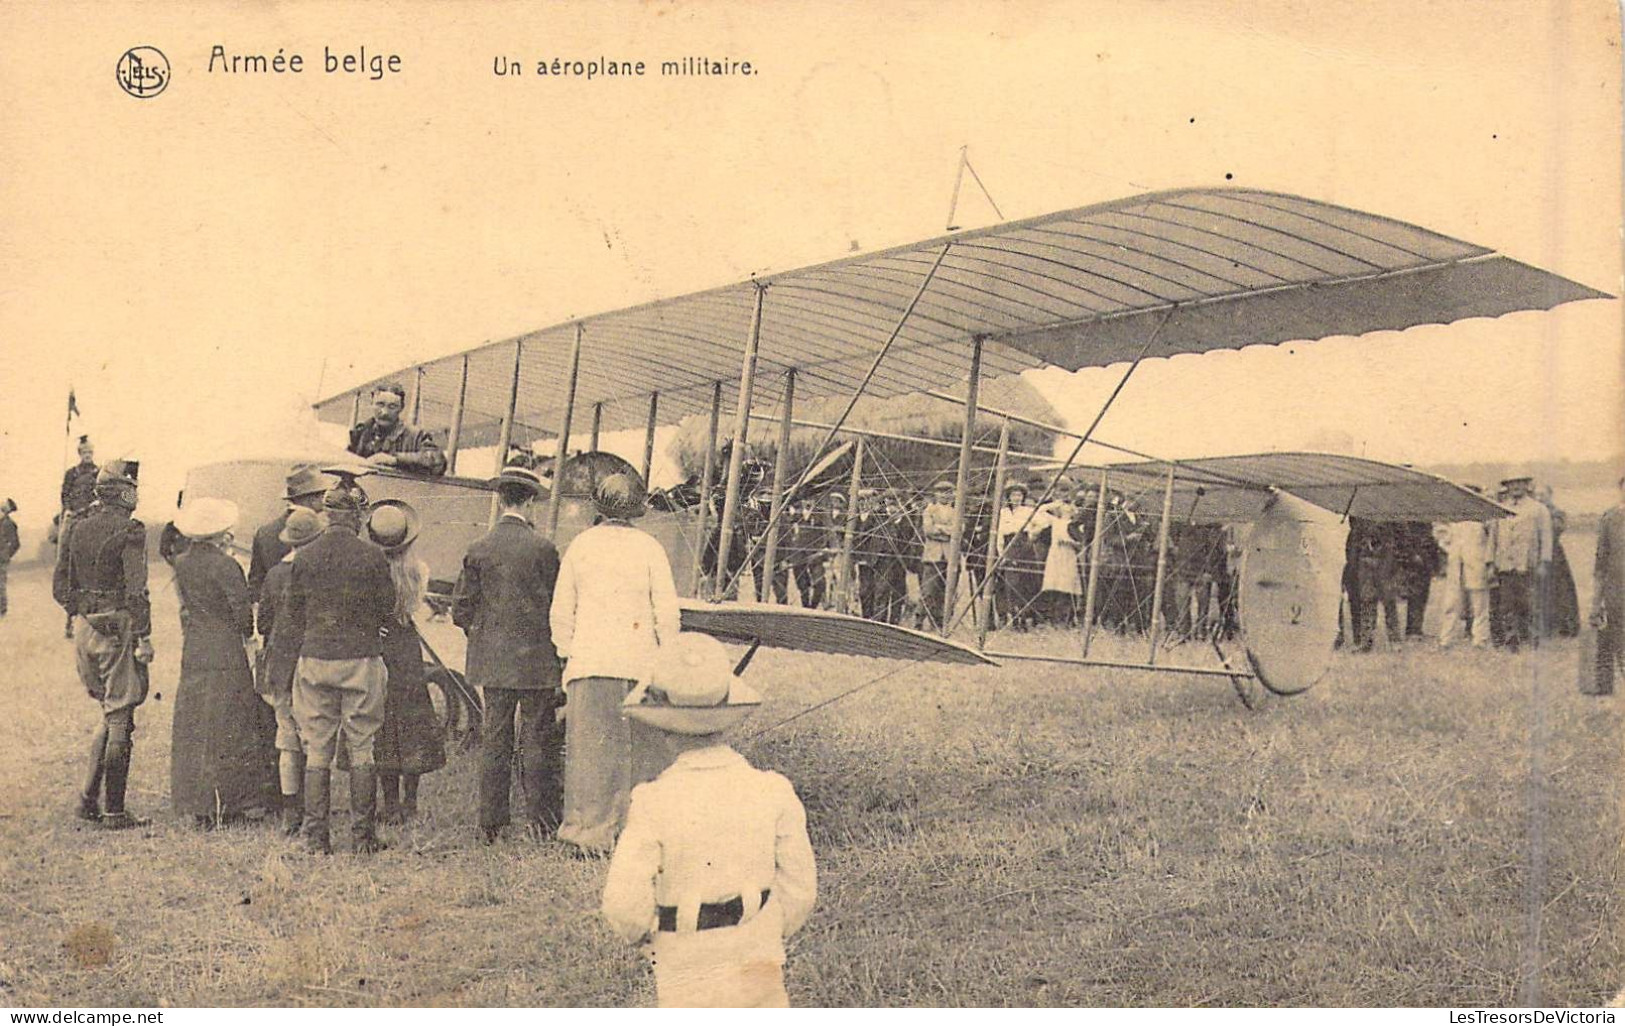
{"x": 815, "y": 503}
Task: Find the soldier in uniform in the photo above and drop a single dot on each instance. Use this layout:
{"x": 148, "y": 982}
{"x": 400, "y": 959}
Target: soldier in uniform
{"x": 101, "y": 579}
{"x": 8, "y": 546}
{"x": 386, "y": 440}
{"x": 78, "y": 492}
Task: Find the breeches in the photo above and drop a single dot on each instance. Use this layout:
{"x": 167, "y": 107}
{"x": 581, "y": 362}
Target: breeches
{"x": 338, "y": 695}
{"x": 108, "y": 667}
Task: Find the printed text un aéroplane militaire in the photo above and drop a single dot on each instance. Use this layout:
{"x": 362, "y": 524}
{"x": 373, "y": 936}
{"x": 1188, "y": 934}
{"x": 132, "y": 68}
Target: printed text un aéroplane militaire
{"x": 590, "y": 68}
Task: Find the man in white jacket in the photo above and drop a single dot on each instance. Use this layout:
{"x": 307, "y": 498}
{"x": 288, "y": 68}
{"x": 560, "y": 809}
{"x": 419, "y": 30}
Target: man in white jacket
{"x": 614, "y": 605}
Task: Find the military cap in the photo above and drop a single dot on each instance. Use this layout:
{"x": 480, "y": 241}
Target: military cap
{"x": 119, "y": 472}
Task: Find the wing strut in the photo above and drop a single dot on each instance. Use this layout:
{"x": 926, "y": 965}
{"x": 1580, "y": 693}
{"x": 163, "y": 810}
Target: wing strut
{"x": 823, "y": 446}
{"x": 1083, "y": 439}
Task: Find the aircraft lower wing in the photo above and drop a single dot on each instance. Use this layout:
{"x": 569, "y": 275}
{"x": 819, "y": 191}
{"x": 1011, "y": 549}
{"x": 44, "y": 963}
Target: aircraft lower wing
{"x": 821, "y": 631}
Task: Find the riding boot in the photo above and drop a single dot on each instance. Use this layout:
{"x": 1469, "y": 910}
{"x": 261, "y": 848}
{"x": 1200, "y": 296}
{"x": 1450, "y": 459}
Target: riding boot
{"x": 318, "y": 796}
{"x": 364, "y": 810}
{"x": 116, "y": 778}
{"x": 90, "y": 799}
{"x": 391, "y": 785}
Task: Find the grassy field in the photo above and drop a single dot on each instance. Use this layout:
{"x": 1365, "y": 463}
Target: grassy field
{"x": 1423, "y": 828}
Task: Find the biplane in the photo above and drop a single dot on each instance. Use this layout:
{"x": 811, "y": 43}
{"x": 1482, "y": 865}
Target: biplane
{"x": 1113, "y": 284}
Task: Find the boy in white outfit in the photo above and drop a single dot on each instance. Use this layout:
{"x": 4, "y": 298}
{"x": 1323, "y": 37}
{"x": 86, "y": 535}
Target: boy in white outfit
{"x": 714, "y": 865}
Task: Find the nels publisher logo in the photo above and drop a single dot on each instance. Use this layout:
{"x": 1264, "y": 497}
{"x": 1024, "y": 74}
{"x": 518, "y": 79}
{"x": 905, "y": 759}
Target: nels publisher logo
{"x": 143, "y": 71}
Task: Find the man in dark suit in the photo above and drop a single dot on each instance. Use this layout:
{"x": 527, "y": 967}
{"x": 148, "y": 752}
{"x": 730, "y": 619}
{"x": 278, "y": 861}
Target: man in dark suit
{"x": 340, "y": 597}
{"x": 503, "y": 602}
{"x": 1420, "y": 558}
{"x": 305, "y": 487}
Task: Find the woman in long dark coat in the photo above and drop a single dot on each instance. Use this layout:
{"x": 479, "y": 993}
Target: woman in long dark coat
{"x": 1563, "y": 608}
{"x": 410, "y": 742}
{"x": 222, "y": 753}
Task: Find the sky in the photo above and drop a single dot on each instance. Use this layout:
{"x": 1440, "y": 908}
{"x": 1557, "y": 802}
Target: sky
{"x": 199, "y": 266}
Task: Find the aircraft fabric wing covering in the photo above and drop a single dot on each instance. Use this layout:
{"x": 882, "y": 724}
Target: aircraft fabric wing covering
{"x": 1234, "y": 489}
{"x": 1200, "y": 269}
{"x": 821, "y": 631}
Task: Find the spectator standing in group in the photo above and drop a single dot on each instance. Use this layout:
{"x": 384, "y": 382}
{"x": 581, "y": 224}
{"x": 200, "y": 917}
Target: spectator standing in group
{"x": 1523, "y": 561}
{"x": 1608, "y": 597}
{"x": 78, "y": 493}
{"x": 223, "y": 743}
{"x": 614, "y": 607}
{"x": 279, "y": 653}
{"x": 1562, "y": 599}
{"x": 303, "y": 489}
{"x": 503, "y": 603}
{"x": 410, "y": 741}
{"x": 1015, "y": 555}
{"x": 936, "y": 532}
{"x": 101, "y": 580}
{"x": 1420, "y": 560}
{"x": 1469, "y": 570}
{"x": 341, "y": 597}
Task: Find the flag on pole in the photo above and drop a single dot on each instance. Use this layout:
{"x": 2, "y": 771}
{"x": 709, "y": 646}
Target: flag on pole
{"x": 73, "y": 405}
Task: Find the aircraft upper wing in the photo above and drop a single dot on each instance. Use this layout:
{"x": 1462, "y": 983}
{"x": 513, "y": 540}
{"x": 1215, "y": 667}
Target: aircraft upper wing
{"x": 1233, "y": 489}
{"x": 818, "y": 630}
{"x": 1197, "y": 269}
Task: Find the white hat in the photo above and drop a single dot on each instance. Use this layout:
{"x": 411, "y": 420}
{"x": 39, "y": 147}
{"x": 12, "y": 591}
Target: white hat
{"x": 205, "y": 517}
{"x": 694, "y": 690}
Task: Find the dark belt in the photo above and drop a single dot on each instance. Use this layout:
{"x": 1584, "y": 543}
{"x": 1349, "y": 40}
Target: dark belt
{"x": 712, "y": 917}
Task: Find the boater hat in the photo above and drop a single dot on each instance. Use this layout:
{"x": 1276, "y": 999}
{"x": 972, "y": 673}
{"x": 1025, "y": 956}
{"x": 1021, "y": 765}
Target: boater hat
{"x": 206, "y": 517}
{"x": 694, "y": 691}
{"x": 392, "y": 524}
{"x": 515, "y": 474}
{"x": 303, "y": 525}
{"x": 304, "y": 481}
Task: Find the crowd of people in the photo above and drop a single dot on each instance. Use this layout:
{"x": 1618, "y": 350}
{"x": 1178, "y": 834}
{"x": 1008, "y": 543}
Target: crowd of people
{"x": 311, "y": 662}
{"x": 1505, "y": 582}
{"x": 1036, "y": 553}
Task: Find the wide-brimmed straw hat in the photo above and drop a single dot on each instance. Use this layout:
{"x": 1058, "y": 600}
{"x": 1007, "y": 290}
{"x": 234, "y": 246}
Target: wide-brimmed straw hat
{"x": 303, "y": 525}
{"x": 392, "y": 524}
{"x": 206, "y": 518}
{"x": 306, "y": 480}
{"x": 618, "y": 497}
{"x": 694, "y": 691}
{"x": 515, "y": 474}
